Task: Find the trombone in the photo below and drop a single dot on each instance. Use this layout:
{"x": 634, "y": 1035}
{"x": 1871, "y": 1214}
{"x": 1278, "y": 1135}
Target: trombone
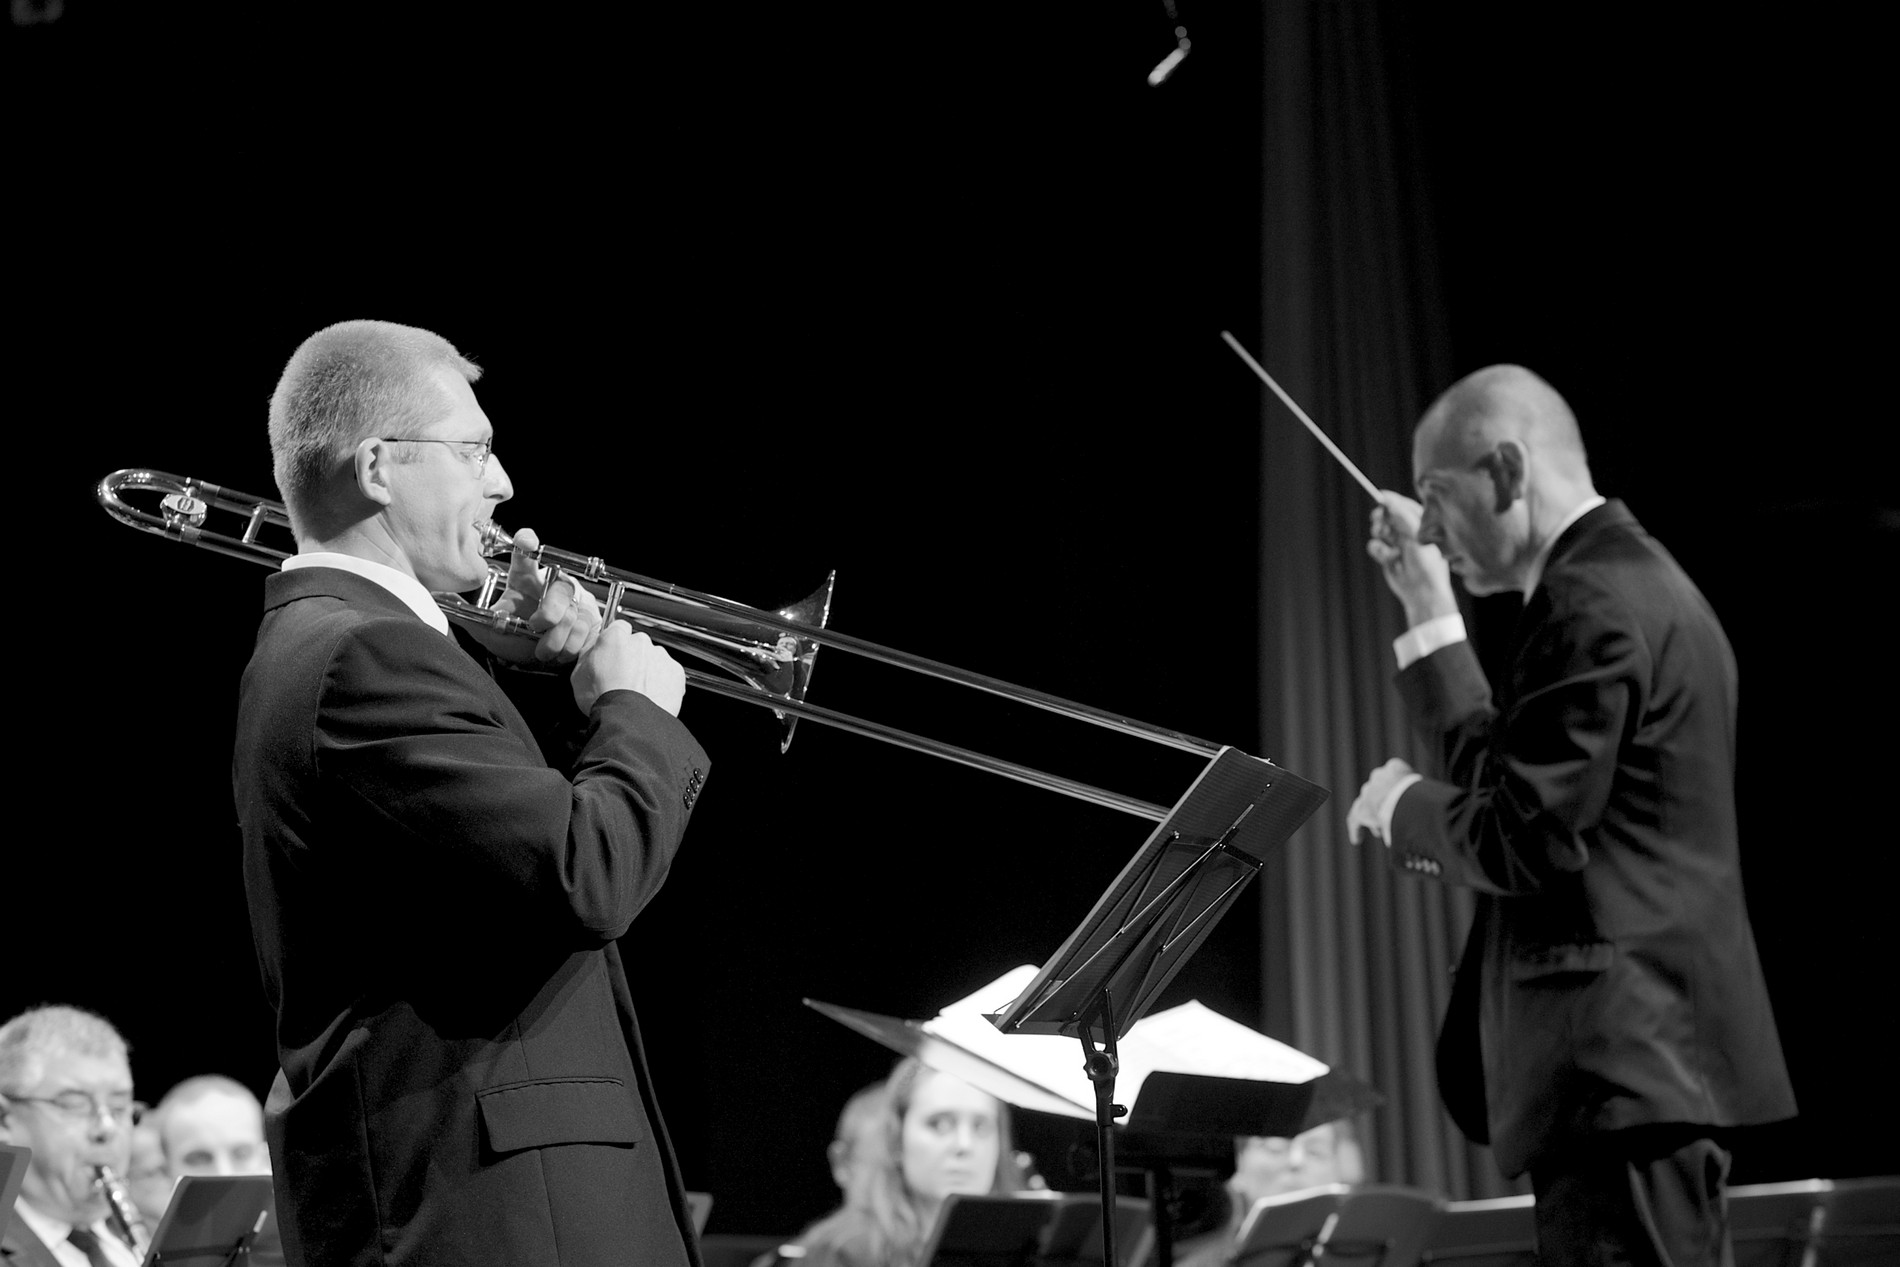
{"x": 771, "y": 653}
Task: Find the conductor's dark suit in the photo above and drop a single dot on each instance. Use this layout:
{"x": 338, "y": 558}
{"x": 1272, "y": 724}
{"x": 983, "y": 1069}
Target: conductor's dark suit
{"x": 1611, "y": 978}
{"x": 435, "y": 896}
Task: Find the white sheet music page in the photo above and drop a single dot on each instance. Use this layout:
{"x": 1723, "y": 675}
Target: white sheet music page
{"x": 1191, "y": 1038}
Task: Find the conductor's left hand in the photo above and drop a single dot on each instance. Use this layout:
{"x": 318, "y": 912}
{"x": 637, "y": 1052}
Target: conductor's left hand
{"x": 559, "y": 608}
{"x": 1362, "y": 820}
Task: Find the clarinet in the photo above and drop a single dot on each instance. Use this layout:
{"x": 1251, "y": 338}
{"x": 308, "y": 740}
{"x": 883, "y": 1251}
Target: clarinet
{"x": 120, "y": 1213}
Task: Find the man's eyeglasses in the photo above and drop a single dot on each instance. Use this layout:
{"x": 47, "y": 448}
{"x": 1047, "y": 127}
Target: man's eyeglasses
{"x": 82, "y": 1106}
{"x": 476, "y": 449}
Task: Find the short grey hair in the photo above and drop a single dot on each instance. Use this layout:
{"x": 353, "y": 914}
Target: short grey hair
{"x": 35, "y": 1037}
{"x": 347, "y": 382}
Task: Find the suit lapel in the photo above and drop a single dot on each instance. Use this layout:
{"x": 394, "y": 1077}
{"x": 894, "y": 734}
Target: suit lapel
{"x": 20, "y": 1248}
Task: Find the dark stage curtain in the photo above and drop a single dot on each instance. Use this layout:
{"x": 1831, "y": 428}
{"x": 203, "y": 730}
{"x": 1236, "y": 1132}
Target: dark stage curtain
{"x": 1357, "y": 958}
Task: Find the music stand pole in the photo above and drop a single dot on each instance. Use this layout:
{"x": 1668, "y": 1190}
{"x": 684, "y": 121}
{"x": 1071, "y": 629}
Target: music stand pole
{"x": 1102, "y": 1065}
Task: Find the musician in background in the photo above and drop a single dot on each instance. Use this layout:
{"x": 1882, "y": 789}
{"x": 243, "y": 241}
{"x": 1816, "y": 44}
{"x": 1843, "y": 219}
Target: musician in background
{"x": 148, "y": 1181}
{"x": 65, "y": 1093}
{"x": 1609, "y": 1021}
{"x": 444, "y": 837}
{"x": 852, "y": 1145}
{"x": 1268, "y": 1165}
{"x": 212, "y": 1125}
{"x": 935, "y": 1135}
{"x": 854, "y": 1141}
{"x": 1272, "y": 1165}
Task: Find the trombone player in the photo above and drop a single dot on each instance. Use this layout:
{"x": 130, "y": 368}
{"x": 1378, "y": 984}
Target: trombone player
{"x": 444, "y": 835}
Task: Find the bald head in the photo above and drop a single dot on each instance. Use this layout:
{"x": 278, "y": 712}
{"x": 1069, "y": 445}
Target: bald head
{"x": 1506, "y": 402}
{"x": 212, "y": 1125}
{"x": 1499, "y": 466}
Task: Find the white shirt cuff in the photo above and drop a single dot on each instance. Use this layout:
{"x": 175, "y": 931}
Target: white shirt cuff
{"x": 1391, "y": 805}
{"x": 1421, "y": 640}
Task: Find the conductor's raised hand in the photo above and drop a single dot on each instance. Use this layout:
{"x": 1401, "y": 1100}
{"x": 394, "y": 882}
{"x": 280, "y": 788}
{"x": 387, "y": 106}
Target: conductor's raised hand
{"x": 564, "y": 615}
{"x": 622, "y": 660}
{"x": 1415, "y": 572}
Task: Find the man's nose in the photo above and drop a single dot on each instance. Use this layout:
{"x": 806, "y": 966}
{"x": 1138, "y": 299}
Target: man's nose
{"x": 1429, "y": 531}
{"x": 497, "y": 485}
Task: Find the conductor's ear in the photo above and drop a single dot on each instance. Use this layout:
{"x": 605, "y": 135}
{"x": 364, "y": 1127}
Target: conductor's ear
{"x": 371, "y": 463}
{"x": 1506, "y": 466}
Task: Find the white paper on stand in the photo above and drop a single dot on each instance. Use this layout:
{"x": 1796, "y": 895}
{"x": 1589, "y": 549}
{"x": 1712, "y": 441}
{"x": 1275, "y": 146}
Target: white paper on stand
{"x": 1191, "y": 1039}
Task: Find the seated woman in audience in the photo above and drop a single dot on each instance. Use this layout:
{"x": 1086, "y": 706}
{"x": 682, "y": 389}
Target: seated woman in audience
{"x": 936, "y": 1135}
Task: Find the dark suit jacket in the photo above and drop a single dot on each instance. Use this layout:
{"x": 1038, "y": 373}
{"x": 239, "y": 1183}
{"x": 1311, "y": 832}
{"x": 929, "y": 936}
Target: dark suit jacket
{"x": 19, "y": 1247}
{"x": 1611, "y": 979}
{"x": 435, "y": 901}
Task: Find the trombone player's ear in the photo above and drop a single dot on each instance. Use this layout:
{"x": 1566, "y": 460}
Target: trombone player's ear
{"x": 370, "y": 462}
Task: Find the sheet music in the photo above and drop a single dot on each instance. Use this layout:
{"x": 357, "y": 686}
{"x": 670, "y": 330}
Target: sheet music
{"x": 1191, "y": 1038}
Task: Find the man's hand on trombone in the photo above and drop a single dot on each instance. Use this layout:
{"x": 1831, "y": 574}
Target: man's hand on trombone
{"x": 562, "y": 612}
{"x": 567, "y": 618}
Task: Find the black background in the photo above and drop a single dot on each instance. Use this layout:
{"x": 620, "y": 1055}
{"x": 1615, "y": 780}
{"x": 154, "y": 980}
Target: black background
{"x": 931, "y": 298}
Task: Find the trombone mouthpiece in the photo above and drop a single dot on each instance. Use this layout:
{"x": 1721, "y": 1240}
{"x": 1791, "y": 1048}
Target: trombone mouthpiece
{"x": 495, "y": 538}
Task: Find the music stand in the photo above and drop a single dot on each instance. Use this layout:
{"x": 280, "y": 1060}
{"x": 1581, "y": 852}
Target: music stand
{"x": 1373, "y": 1225}
{"x": 987, "y": 1231}
{"x": 13, "y": 1163}
{"x": 1492, "y": 1232}
{"x": 1772, "y": 1224}
{"x": 1283, "y": 1230}
{"x": 1859, "y": 1224}
{"x": 1382, "y": 1225}
{"x": 1153, "y": 917}
{"x": 212, "y": 1221}
{"x": 1074, "y": 1235}
{"x": 1028, "y": 1230}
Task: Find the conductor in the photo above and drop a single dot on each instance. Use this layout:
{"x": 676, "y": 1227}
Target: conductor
{"x": 1609, "y": 1021}
{"x": 444, "y": 835}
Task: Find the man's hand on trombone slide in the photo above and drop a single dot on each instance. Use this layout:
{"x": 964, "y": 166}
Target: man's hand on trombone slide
{"x": 563, "y": 613}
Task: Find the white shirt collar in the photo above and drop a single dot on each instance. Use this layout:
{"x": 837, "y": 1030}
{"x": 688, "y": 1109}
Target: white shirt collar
{"x": 1583, "y": 508}
{"x": 401, "y": 584}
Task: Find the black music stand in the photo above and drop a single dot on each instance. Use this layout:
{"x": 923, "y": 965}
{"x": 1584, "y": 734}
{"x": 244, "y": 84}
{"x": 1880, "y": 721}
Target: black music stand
{"x": 1492, "y": 1232}
{"x": 1772, "y": 1224}
{"x": 1153, "y": 917}
{"x": 1027, "y": 1230}
{"x": 988, "y": 1231}
{"x": 1367, "y": 1226}
{"x": 13, "y": 1163}
{"x": 212, "y": 1221}
{"x": 1074, "y": 1235}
